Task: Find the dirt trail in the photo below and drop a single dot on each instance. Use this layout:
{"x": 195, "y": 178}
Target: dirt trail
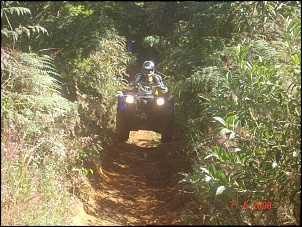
{"x": 137, "y": 185}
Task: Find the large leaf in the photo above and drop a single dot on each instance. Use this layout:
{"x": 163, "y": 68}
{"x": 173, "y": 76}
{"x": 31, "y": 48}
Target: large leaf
{"x": 220, "y": 190}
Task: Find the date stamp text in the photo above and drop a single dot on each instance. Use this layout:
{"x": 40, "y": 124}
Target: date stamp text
{"x": 256, "y": 205}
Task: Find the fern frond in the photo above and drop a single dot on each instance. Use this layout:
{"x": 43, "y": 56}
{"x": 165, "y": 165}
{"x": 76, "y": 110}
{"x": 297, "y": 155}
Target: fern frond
{"x": 5, "y": 31}
{"x": 38, "y": 29}
{"x": 8, "y": 33}
{"x": 204, "y": 80}
{"x": 49, "y": 65}
{"x": 18, "y": 10}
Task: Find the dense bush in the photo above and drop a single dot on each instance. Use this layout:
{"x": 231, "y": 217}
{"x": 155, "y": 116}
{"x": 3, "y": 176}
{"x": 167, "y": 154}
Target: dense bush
{"x": 36, "y": 147}
{"x": 232, "y": 67}
{"x": 55, "y": 111}
{"x": 257, "y": 114}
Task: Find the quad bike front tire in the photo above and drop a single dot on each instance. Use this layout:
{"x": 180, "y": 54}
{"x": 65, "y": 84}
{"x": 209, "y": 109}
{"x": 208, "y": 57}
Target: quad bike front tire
{"x": 167, "y": 128}
{"x": 122, "y": 127}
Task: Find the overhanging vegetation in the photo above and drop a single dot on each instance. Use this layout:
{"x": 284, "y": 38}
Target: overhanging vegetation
{"x": 233, "y": 68}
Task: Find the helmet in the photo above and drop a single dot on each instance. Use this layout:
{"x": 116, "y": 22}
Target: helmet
{"x": 148, "y": 68}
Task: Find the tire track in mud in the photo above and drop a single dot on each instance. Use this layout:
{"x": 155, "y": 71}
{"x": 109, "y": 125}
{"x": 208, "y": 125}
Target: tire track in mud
{"x": 137, "y": 184}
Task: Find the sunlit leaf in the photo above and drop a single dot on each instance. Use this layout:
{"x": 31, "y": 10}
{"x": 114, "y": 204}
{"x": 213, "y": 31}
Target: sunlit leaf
{"x": 220, "y": 120}
{"x": 220, "y": 190}
{"x": 211, "y": 155}
{"x": 224, "y": 131}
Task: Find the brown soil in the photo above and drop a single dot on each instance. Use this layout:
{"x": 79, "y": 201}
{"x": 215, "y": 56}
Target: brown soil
{"x": 136, "y": 183}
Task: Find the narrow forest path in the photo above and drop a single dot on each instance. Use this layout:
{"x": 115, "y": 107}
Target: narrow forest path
{"x": 137, "y": 184}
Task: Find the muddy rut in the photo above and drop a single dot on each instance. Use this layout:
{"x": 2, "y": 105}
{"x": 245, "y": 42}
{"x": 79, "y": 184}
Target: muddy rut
{"x": 137, "y": 184}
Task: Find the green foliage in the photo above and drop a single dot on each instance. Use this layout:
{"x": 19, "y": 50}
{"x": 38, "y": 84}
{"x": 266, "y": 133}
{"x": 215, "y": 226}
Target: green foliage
{"x": 199, "y": 35}
{"x": 14, "y": 33}
{"x": 210, "y": 19}
{"x": 40, "y": 121}
{"x": 163, "y": 17}
{"x": 207, "y": 80}
{"x": 256, "y": 156}
{"x": 130, "y": 18}
{"x": 233, "y": 68}
{"x": 18, "y": 10}
{"x": 258, "y": 19}
{"x": 99, "y": 78}
{"x": 45, "y": 137}
{"x": 151, "y": 41}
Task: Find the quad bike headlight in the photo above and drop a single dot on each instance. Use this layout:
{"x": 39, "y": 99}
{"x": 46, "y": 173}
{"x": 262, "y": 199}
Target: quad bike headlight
{"x": 130, "y": 99}
{"x": 160, "y": 101}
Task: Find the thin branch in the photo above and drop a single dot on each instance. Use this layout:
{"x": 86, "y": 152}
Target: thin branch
{"x": 3, "y": 10}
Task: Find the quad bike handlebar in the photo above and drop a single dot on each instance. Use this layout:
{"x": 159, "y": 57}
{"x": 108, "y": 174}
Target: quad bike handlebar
{"x": 141, "y": 89}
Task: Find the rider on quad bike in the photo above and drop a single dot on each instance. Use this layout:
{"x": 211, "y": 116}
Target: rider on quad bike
{"x": 148, "y": 77}
{"x": 145, "y": 105}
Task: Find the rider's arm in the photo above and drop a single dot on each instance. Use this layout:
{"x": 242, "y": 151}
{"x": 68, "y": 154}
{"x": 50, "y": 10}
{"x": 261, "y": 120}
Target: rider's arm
{"x": 160, "y": 83}
{"x": 135, "y": 81}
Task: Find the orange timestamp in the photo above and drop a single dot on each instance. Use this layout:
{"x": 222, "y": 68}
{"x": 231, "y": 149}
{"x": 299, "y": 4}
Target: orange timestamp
{"x": 256, "y": 205}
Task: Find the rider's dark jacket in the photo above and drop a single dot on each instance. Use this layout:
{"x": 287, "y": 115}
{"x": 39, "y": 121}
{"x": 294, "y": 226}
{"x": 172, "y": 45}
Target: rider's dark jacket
{"x": 154, "y": 80}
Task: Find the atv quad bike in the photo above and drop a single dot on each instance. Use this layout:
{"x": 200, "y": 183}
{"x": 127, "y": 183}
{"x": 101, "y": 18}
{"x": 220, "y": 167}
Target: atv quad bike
{"x": 141, "y": 109}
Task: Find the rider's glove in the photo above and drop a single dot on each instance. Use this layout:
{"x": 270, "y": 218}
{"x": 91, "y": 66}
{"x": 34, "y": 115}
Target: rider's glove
{"x": 163, "y": 89}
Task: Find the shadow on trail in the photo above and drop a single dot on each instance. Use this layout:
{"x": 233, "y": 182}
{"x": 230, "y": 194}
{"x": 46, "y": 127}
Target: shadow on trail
{"x": 136, "y": 182}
